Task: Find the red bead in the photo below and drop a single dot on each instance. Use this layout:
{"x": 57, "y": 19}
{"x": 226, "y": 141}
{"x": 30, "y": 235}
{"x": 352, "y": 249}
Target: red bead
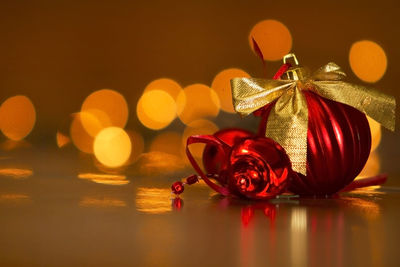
{"x": 177, "y": 203}
{"x": 192, "y": 179}
{"x": 177, "y": 188}
{"x": 338, "y": 146}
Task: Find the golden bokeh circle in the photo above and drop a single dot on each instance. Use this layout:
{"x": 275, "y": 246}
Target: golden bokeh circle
{"x": 196, "y": 102}
{"x": 164, "y": 84}
{"x": 272, "y": 37}
{"x": 376, "y": 133}
{"x": 109, "y": 108}
{"x": 368, "y": 61}
{"x": 79, "y": 136}
{"x": 112, "y": 147}
{"x": 17, "y": 117}
{"x": 222, "y": 86}
{"x": 156, "y": 109}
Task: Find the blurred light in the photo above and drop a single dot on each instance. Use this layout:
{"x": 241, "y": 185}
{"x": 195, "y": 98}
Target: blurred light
{"x": 155, "y": 163}
{"x": 376, "y": 133}
{"x": 372, "y": 166}
{"x": 368, "y": 61}
{"x": 17, "y": 117}
{"x": 16, "y": 173}
{"x": 107, "y": 107}
{"x": 197, "y": 101}
{"x": 273, "y": 38}
{"x": 167, "y": 142}
{"x": 298, "y": 236}
{"x": 222, "y": 86}
{"x": 112, "y": 147}
{"x": 201, "y": 127}
{"x": 104, "y": 202}
{"x": 80, "y": 138}
{"x": 62, "y": 139}
{"x": 167, "y": 85}
{"x": 102, "y": 178}
{"x": 156, "y": 109}
{"x": 14, "y": 198}
{"x": 153, "y": 200}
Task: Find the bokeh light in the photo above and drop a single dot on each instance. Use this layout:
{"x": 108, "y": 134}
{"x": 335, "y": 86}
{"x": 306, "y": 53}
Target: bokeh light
{"x": 112, "y": 147}
{"x": 62, "y": 139}
{"x": 104, "y": 178}
{"x": 16, "y": 173}
{"x": 153, "y": 200}
{"x": 17, "y": 117}
{"x": 167, "y": 142}
{"x": 107, "y": 108}
{"x": 102, "y": 202}
{"x": 159, "y": 163}
{"x": 79, "y": 136}
{"x": 222, "y": 86}
{"x": 156, "y": 109}
{"x": 376, "y": 133}
{"x": 368, "y": 61}
{"x": 167, "y": 85}
{"x": 272, "y": 37}
{"x": 197, "y": 101}
{"x": 198, "y": 127}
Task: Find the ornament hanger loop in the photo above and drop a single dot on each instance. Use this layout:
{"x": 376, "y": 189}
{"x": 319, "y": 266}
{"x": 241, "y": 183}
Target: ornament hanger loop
{"x": 288, "y": 56}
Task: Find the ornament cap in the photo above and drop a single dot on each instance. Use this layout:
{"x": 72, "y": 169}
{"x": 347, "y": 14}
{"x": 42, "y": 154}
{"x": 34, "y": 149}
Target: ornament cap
{"x": 296, "y": 72}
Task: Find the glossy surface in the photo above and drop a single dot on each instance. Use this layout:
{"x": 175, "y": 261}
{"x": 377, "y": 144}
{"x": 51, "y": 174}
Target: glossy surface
{"x": 50, "y": 217}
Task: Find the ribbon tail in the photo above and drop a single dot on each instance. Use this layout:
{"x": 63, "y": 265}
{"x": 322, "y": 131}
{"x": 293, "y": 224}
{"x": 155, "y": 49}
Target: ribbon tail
{"x": 375, "y": 104}
{"x": 288, "y": 125}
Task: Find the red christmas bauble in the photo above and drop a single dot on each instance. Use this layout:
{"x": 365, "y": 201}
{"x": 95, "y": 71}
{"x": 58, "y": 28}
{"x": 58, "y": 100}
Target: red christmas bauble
{"x": 214, "y": 159}
{"x": 338, "y": 145}
{"x": 259, "y": 168}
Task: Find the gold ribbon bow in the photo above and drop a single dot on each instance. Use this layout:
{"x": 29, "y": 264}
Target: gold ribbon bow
{"x": 288, "y": 120}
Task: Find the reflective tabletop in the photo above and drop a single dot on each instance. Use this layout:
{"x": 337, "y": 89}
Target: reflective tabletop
{"x": 58, "y": 210}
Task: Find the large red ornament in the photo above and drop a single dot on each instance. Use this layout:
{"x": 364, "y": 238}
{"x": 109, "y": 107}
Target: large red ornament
{"x": 338, "y": 145}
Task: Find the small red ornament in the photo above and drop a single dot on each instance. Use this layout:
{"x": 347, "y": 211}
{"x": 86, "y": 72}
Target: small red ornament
{"x": 338, "y": 145}
{"x": 258, "y": 168}
{"x": 214, "y": 157}
{"x": 254, "y": 167}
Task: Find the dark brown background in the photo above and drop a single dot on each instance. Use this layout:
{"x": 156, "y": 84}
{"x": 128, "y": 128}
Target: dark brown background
{"x": 57, "y": 52}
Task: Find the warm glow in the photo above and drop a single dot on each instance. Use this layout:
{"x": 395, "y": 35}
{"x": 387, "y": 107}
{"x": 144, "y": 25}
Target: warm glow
{"x": 197, "y": 101}
{"x": 80, "y": 138}
{"x": 14, "y": 198}
{"x": 156, "y": 163}
{"x": 156, "y": 109}
{"x": 222, "y": 86}
{"x": 16, "y": 173}
{"x": 372, "y": 166}
{"x": 104, "y": 108}
{"x": 153, "y": 200}
{"x": 101, "y": 202}
{"x": 376, "y": 133}
{"x": 112, "y": 147}
{"x": 17, "y": 117}
{"x": 103, "y": 178}
{"x": 273, "y": 39}
{"x": 368, "y": 61}
{"x": 167, "y": 85}
{"x": 202, "y": 127}
{"x": 62, "y": 139}
{"x": 167, "y": 142}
